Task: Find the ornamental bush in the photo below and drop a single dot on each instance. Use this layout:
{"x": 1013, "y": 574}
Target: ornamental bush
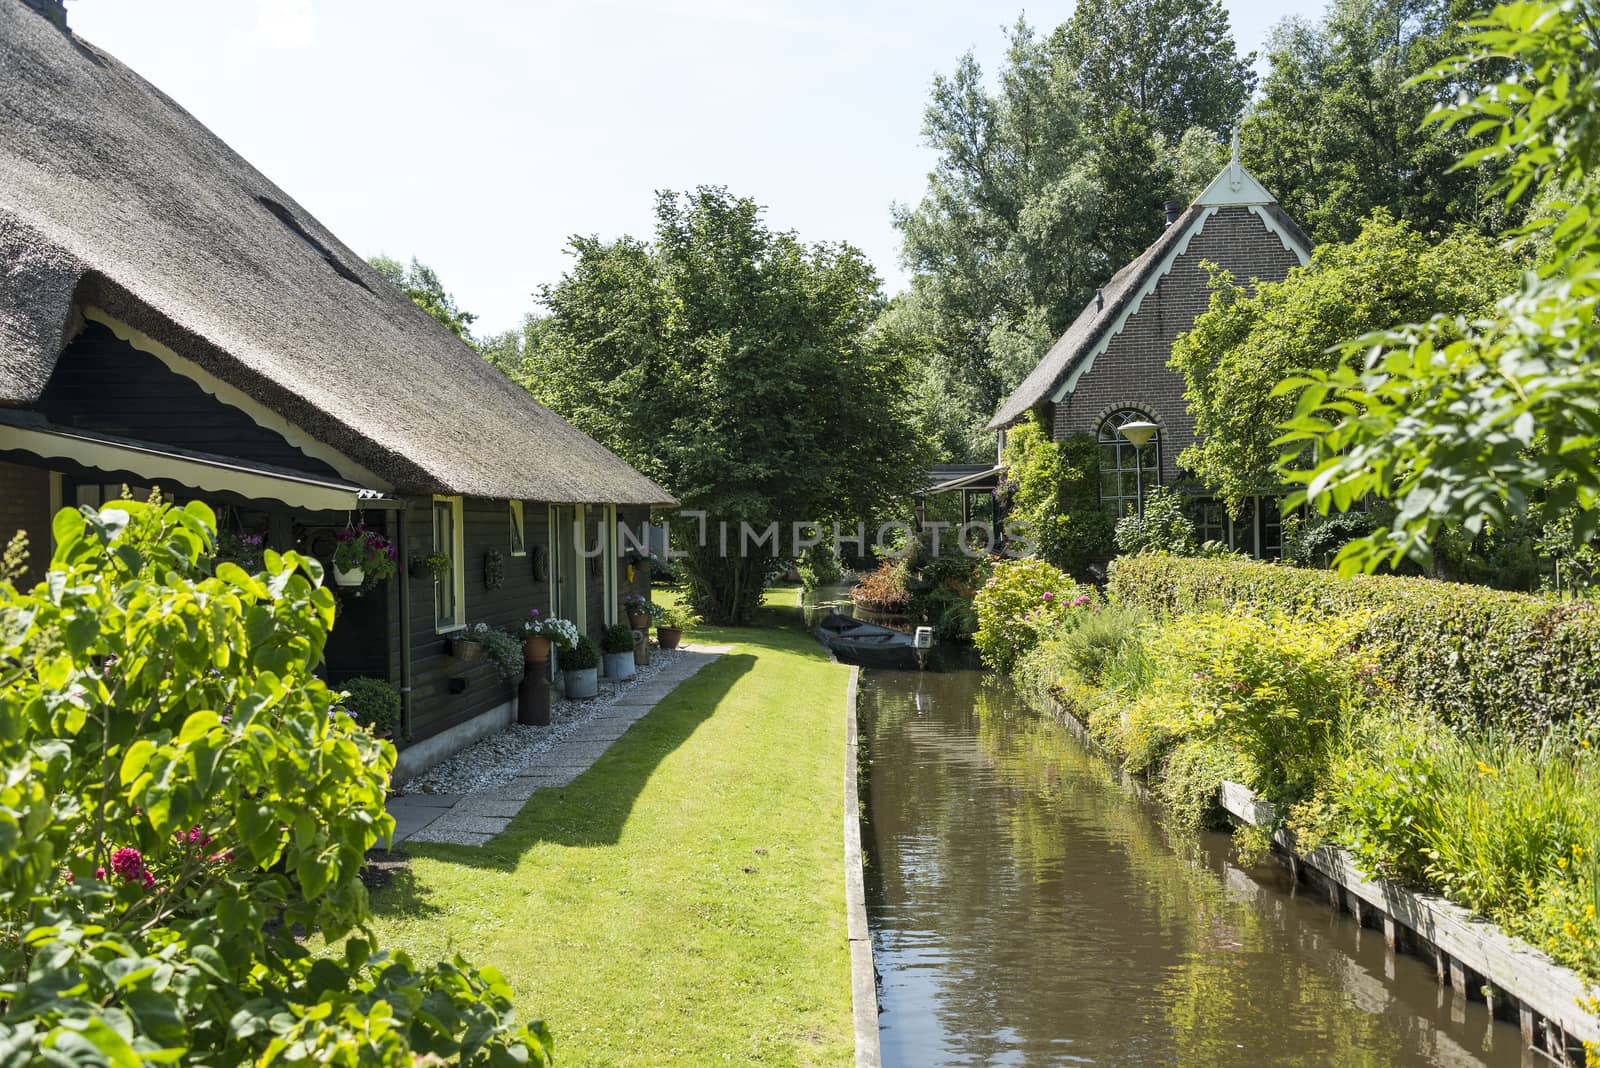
{"x": 373, "y": 703}
{"x": 180, "y": 804}
{"x": 1469, "y": 655}
{"x": 1022, "y": 599}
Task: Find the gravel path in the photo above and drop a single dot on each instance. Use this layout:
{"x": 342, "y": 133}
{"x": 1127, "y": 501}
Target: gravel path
{"x": 499, "y": 758}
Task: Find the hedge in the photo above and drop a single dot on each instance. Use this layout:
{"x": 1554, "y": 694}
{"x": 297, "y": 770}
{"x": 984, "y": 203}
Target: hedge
{"x": 1469, "y": 654}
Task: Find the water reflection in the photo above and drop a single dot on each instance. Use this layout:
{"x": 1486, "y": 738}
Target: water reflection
{"x": 1027, "y": 909}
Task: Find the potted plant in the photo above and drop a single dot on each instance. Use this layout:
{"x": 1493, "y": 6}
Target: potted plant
{"x": 464, "y": 645}
{"x": 434, "y": 566}
{"x": 363, "y": 558}
{"x": 578, "y": 664}
{"x": 373, "y": 703}
{"x": 246, "y": 550}
{"x": 670, "y": 622}
{"x": 539, "y": 632}
{"x": 639, "y": 611}
{"x": 617, "y": 645}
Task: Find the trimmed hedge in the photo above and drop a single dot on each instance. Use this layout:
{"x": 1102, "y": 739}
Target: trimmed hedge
{"x": 1469, "y": 654}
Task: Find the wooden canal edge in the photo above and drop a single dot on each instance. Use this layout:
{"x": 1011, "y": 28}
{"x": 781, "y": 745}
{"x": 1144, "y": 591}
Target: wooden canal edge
{"x": 863, "y": 972}
{"x": 1475, "y": 958}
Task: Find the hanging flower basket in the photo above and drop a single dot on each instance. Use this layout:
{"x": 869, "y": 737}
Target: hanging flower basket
{"x": 465, "y": 649}
{"x": 362, "y": 558}
{"x": 353, "y": 577}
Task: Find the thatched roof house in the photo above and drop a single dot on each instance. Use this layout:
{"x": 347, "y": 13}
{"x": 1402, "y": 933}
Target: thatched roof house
{"x": 111, "y": 195}
{"x": 169, "y": 317}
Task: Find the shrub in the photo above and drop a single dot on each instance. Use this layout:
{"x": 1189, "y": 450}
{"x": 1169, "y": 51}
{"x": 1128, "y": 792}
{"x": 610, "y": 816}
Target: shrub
{"x": 1468, "y": 655}
{"x": 1051, "y": 492}
{"x": 1090, "y": 648}
{"x": 581, "y": 657}
{"x": 179, "y": 805}
{"x": 617, "y": 638}
{"x": 1163, "y": 528}
{"x": 884, "y": 590}
{"x": 1021, "y": 599}
{"x": 373, "y": 703}
{"x": 818, "y": 566}
{"x": 673, "y": 616}
{"x": 1313, "y": 542}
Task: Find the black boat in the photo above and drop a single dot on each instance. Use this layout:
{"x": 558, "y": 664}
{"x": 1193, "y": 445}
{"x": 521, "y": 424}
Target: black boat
{"x": 853, "y": 639}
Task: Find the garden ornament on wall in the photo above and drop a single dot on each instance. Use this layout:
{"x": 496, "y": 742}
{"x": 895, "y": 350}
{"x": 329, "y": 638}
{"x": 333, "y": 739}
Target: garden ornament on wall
{"x": 494, "y": 569}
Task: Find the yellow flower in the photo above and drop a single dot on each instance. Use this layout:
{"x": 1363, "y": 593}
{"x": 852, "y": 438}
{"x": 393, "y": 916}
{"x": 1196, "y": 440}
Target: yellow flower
{"x": 1484, "y": 769}
{"x": 1561, "y": 862}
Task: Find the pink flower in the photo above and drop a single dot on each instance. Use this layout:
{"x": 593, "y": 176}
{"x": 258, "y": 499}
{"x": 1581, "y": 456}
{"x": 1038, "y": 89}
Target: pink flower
{"x": 128, "y": 863}
{"x": 1081, "y": 601}
{"x": 1048, "y": 596}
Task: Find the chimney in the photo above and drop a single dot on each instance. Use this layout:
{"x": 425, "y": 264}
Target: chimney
{"x": 1099, "y": 300}
{"x": 1174, "y": 209}
{"x": 54, "y": 10}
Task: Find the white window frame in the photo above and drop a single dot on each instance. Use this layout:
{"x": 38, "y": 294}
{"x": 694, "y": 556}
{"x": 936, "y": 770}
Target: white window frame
{"x": 458, "y": 571}
{"x": 516, "y": 519}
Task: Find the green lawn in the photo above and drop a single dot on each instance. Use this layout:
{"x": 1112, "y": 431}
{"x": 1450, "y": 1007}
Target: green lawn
{"x": 683, "y": 901}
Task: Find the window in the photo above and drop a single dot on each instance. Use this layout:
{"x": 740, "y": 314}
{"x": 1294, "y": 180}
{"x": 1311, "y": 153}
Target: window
{"x": 450, "y": 588}
{"x": 1210, "y": 521}
{"x": 519, "y": 541}
{"x": 1127, "y": 472}
{"x": 1271, "y": 513}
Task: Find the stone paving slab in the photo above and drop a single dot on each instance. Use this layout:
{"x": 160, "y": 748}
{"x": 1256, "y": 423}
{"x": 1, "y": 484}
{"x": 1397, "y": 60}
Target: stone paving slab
{"x": 473, "y": 819}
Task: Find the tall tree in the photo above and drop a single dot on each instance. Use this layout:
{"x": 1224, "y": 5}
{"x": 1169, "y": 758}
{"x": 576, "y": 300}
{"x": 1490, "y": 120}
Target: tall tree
{"x": 736, "y": 365}
{"x": 421, "y": 283}
{"x": 1248, "y": 341}
{"x": 1172, "y": 62}
{"x": 1339, "y": 130}
{"x": 1038, "y": 195}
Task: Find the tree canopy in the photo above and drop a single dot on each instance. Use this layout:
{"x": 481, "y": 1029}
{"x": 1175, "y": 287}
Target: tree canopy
{"x": 1042, "y": 189}
{"x": 739, "y": 367}
{"x": 1473, "y": 421}
{"x": 1339, "y": 130}
{"x": 421, "y": 283}
{"x": 1249, "y": 341}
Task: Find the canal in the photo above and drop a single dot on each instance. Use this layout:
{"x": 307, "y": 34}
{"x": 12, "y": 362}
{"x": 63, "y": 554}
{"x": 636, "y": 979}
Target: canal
{"x": 1027, "y": 909}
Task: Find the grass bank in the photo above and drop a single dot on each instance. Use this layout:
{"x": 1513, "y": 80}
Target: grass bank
{"x": 683, "y": 901}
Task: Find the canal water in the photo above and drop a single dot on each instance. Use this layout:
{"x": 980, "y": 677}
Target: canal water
{"x": 1027, "y": 909}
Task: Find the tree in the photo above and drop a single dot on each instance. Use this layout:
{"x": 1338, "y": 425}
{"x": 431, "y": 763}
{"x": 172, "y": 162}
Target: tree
{"x": 737, "y": 366}
{"x": 182, "y": 802}
{"x": 1034, "y": 201}
{"x": 1235, "y": 355}
{"x": 1473, "y": 421}
{"x": 421, "y": 283}
{"x": 1172, "y": 62}
{"x": 1338, "y": 131}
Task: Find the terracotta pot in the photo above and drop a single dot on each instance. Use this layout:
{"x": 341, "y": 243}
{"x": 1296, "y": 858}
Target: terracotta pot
{"x": 638, "y": 621}
{"x": 536, "y": 649}
{"x": 669, "y": 637}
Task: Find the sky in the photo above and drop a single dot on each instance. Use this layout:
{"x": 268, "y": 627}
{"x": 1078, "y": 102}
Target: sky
{"x": 479, "y": 135}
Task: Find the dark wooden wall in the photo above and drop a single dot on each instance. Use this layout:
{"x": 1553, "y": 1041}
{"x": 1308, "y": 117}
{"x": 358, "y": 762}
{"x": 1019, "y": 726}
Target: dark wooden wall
{"x": 486, "y": 525}
{"x": 106, "y": 385}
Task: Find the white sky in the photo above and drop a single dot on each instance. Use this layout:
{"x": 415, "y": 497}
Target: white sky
{"x": 479, "y": 134}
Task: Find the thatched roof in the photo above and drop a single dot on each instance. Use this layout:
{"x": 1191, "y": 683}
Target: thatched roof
{"x": 1234, "y": 187}
{"x": 112, "y": 195}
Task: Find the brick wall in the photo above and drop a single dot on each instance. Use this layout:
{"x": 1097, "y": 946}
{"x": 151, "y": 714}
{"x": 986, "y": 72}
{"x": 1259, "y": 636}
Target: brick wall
{"x": 1132, "y": 372}
{"x": 25, "y": 505}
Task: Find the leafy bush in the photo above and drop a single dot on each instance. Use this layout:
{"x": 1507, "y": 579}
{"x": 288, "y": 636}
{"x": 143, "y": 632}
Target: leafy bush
{"x": 617, "y": 638}
{"x": 1314, "y": 542}
{"x": 1021, "y": 599}
{"x": 504, "y": 650}
{"x": 1468, "y": 655}
{"x": 1092, "y": 647}
{"x": 818, "y": 566}
{"x": 884, "y": 590}
{"x": 1163, "y": 528}
{"x": 673, "y": 616}
{"x": 373, "y": 703}
{"x": 581, "y": 657}
{"x": 1051, "y": 493}
{"x": 178, "y": 802}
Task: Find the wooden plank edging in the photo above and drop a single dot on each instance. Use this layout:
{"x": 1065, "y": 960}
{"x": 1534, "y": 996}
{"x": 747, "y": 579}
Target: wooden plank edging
{"x": 1507, "y": 964}
{"x": 863, "y": 972}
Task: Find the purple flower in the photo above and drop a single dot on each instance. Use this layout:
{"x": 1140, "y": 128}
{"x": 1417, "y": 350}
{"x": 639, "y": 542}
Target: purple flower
{"x": 1081, "y": 601}
{"x": 128, "y": 863}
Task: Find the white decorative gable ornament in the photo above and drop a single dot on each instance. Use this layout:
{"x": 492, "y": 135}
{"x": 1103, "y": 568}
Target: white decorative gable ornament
{"x": 1235, "y": 187}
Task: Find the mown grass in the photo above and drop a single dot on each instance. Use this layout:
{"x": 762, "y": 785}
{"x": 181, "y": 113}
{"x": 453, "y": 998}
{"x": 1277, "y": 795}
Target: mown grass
{"x": 683, "y": 901}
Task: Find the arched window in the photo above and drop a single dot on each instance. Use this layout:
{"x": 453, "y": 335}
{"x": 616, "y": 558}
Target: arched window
{"x": 1125, "y": 469}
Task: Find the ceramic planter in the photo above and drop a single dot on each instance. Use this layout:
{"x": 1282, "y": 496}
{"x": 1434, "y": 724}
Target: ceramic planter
{"x": 638, "y": 620}
{"x": 581, "y": 684}
{"x": 354, "y": 577}
{"x": 536, "y": 649}
{"x": 619, "y": 665}
{"x": 669, "y": 637}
